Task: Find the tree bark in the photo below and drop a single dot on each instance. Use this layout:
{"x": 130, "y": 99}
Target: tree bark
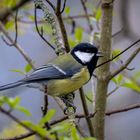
{"x": 103, "y": 72}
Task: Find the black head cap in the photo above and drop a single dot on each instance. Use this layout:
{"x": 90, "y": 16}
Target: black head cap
{"x": 85, "y": 47}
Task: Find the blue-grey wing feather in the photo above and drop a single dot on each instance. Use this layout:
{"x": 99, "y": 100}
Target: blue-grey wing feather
{"x": 47, "y": 73}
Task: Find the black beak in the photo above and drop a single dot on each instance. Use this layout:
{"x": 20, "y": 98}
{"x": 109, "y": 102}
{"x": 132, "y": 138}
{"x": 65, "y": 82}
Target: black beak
{"x": 99, "y": 54}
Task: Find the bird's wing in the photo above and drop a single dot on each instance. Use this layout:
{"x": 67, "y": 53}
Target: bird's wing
{"x": 47, "y": 72}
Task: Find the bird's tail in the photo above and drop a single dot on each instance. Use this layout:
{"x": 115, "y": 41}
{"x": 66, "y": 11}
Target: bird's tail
{"x": 11, "y": 85}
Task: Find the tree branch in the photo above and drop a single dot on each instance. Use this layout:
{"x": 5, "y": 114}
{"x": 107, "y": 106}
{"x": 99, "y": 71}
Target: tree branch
{"x": 80, "y": 116}
{"x": 86, "y": 112}
{"x": 22, "y": 52}
{"x": 7, "y": 12}
{"x": 35, "y": 14}
{"x": 53, "y": 7}
{"x": 62, "y": 26}
{"x": 86, "y": 13}
{"x": 137, "y": 41}
{"x": 19, "y": 122}
{"x": 129, "y": 60}
{"x": 104, "y": 71}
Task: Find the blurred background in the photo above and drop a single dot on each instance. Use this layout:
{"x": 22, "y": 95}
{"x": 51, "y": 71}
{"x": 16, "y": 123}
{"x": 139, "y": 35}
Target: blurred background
{"x": 126, "y": 21}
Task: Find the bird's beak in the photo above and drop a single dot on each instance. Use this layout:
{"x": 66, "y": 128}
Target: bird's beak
{"x": 99, "y": 54}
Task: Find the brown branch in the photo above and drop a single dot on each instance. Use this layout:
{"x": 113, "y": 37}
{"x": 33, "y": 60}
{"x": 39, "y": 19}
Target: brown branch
{"x": 86, "y": 112}
{"x": 22, "y": 52}
{"x": 64, "y": 5}
{"x": 86, "y": 13}
{"x": 131, "y": 107}
{"x": 36, "y": 25}
{"x": 129, "y": 60}
{"x": 62, "y": 26}
{"x": 58, "y": 8}
{"x": 20, "y": 137}
{"x": 80, "y": 130}
{"x": 44, "y": 109}
{"x": 91, "y": 115}
{"x": 111, "y": 92}
{"x": 7, "y": 12}
{"x": 103, "y": 72}
{"x": 52, "y": 6}
{"x": 137, "y": 41}
{"x": 19, "y": 122}
{"x": 16, "y": 26}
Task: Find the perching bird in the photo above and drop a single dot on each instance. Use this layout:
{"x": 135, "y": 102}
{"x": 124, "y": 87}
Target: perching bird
{"x": 66, "y": 73}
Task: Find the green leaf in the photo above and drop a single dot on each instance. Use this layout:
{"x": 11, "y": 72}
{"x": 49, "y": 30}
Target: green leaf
{"x": 18, "y": 71}
{"x": 24, "y": 110}
{"x": 36, "y": 128}
{"x": 137, "y": 75}
{"x": 63, "y": 127}
{"x": 31, "y": 17}
{"x": 11, "y": 3}
{"x": 132, "y": 85}
{"x": 47, "y": 117}
{"x": 28, "y": 68}
{"x": 118, "y": 79}
{"x": 2, "y": 100}
{"x": 74, "y": 134}
{"x": 9, "y": 25}
{"x": 72, "y": 42}
{"x": 79, "y": 34}
{"x": 12, "y": 102}
{"x": 116, "y": 52}
{"x": 98, "y": 14}
{"x": 67, "y": 10}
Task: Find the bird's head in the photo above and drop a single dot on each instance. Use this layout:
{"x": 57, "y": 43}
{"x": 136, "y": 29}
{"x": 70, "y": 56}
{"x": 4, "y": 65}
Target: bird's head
{"x": 87, "y": 55}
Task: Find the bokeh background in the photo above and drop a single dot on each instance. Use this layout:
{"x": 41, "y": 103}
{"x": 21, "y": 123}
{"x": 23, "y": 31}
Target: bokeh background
{"x": 121, "y": 126}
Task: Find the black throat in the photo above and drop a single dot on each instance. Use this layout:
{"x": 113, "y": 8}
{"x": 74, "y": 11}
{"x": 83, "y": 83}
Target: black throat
{"x": 92, "y": 65}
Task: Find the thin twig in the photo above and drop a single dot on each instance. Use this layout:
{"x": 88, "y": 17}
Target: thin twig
{"x": 53, "y": 7}
{"x": 50, "y": 18}
{"x": 16, "y": 26}
{"x": 117, "y": 33}
{"x": 91, "y": 115}
{"x": 64, "y": 5}
{"x": 19, "y": 122}
{"x": 16, "y": 30}
{"x": 129, "y": 60}
{"x": 80, "y": 130}
{"x": 86, "y": 13}
{"x": 7, "y": 12}
{"x": 62, "y": 27}
{"x": 35, "y": 13}
{"x": 86, "y": 112}
{"x": 22, "y": 52}
{"x": 20, "y": 137}
{"x": 112, "y": 91}
{"x": 131, "y": 107}
{"x": 119, "y": 53}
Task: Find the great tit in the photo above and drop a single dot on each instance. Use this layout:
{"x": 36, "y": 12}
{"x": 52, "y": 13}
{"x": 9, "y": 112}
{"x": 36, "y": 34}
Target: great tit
{"x": 66, "y": 73}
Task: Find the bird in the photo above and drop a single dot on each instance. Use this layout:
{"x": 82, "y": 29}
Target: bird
{"x": 66, "y": 73}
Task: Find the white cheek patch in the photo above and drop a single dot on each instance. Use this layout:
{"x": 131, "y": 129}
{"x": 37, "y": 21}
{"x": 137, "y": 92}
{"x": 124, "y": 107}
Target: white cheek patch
{"x": 84, "y": 56}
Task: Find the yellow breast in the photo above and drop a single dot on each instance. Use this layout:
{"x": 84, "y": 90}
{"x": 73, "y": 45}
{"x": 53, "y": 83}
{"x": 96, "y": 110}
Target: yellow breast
{"x": 65, "y": 86}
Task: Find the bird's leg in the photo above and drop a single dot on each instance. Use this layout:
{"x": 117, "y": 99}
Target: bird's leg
{"x": 68, "y": 100}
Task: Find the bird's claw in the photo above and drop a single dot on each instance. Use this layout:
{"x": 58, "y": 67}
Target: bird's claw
{"x": 67, "y": 108}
